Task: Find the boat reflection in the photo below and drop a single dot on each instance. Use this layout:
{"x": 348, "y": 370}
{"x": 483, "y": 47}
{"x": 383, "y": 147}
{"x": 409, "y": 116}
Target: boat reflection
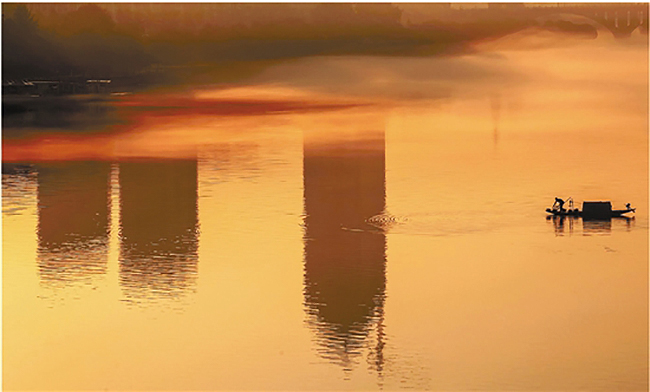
{"x": 73, "y": 221}
{"x": 345, "y": 257}
{"x": 601, "y": 226}
{"x": 159, "y": 228}
{"x": 596, "y": 226}
{"x": 560, "y": 223}
{"x": 565, "y": 225}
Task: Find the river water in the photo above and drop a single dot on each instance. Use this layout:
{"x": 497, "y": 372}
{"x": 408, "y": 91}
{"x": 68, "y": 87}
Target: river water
{"x": 338, "y": 223}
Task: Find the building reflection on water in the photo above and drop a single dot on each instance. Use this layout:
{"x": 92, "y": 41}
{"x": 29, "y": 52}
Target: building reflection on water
{"x": 73, "y": 221}
{"x": 345, "y": 257}
{"x": 159, "y": 228}
{"x": 19, "y": 183}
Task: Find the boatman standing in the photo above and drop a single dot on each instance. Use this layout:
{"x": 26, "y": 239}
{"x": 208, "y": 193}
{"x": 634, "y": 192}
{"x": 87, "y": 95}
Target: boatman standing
{"x": 560, "y": 203}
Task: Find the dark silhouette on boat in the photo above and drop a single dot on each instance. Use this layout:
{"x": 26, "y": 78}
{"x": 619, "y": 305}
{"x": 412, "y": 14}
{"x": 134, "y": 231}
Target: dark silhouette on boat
{"x": 590, "y": 209}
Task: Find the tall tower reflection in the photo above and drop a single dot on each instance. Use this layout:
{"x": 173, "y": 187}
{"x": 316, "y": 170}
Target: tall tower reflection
{"x": 345, "y": 257}
{"x": 73, "y": 221}
{"x": 159, "y": 228}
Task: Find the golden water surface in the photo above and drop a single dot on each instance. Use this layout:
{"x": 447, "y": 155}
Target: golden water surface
{"x": 340, "y": 223}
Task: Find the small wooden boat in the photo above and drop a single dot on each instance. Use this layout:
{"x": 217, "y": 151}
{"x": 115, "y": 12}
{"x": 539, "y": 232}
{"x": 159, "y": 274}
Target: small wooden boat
{"x": 556, "y": 212}
{"x": 592, "y": 210}
{"x": 621, "y": 212}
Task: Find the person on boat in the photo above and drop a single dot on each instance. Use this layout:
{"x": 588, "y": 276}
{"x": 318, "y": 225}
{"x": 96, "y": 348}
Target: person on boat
{"x": 628, "y": 206}
{"x": 560, "y": 204}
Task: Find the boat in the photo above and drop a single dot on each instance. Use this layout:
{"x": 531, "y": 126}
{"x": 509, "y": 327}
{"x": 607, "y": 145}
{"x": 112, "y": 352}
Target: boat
{"x": 590, "y": 209}
{"x": 557, "y": 212}
{"x": 621, "y": 212}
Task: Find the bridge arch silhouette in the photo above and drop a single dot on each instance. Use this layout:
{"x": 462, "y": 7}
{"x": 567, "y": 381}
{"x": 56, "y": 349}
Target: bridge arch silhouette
{"x": 578, "y": 20}
{"x": 620, "y": 19}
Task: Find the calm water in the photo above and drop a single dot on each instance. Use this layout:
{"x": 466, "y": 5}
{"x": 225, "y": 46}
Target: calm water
{"x": 339, "y": 223}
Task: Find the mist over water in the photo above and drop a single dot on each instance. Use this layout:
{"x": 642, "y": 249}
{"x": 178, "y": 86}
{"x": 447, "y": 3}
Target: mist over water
{"x": 339, "y": 222}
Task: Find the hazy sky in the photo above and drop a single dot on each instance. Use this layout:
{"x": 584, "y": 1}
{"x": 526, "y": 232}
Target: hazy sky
{"x": 123, "y": 40}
